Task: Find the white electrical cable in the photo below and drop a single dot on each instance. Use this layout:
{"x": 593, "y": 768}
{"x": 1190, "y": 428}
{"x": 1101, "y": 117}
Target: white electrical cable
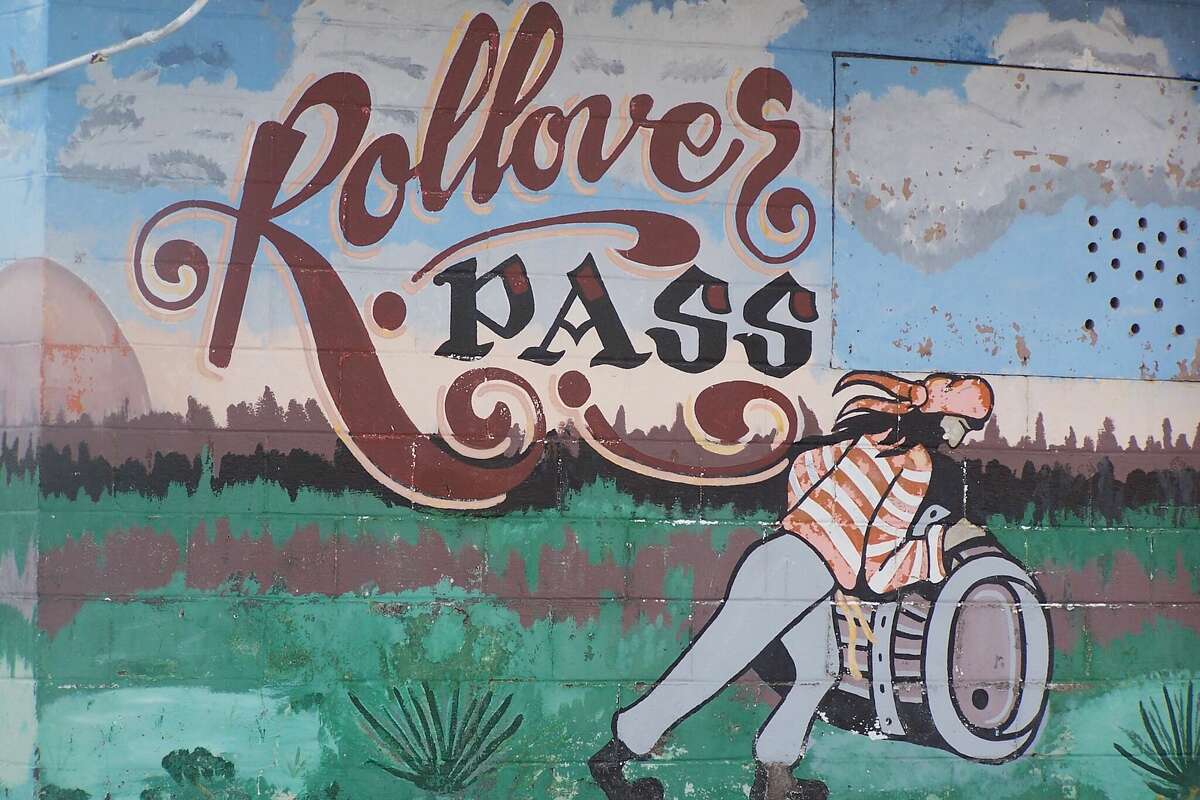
{"x": 149, "y": 37}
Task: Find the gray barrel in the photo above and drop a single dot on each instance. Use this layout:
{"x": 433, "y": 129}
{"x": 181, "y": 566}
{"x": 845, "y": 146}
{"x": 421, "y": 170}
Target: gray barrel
{"x": 962, "y": 666}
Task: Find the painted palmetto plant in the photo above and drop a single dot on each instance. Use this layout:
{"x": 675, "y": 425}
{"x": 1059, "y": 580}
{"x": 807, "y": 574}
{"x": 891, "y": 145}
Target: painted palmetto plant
{"x": 1170, "y": 751}
{"x": 439, "y": 750}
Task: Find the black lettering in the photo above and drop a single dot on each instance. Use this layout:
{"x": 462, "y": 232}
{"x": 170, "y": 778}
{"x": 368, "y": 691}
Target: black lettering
{"x": 797, "y": 342}
{"x": 588, "y": 288}
{"x": 465, "y": 316}
{"x": 710, "y": 333}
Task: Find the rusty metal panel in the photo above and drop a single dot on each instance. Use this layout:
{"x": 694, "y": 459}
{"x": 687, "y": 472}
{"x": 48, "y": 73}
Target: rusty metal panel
{"x": 1015, "y": 220}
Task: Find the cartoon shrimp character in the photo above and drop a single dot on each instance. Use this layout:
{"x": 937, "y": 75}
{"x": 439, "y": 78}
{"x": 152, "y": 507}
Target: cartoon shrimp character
{"x": 857, "y": 520}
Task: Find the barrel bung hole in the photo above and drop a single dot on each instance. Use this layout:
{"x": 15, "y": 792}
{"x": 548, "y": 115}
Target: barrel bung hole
{"x": 979, "y": 699}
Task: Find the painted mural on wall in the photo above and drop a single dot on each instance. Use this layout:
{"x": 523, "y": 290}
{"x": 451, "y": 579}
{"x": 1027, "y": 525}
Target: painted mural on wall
{"x": 622, "y": 400}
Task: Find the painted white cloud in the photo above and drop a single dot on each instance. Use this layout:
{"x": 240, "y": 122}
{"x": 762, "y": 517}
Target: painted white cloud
{"x": 1036, "y": 40}
{"x": 12, "y": 141}
{"x": 138, "y": 129}
{"x": 936, "y": 177}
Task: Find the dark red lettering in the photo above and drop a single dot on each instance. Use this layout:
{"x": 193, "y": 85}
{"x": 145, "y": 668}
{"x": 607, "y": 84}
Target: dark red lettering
{"x": 673, "y": 132}
{"x": 761, "y": 85}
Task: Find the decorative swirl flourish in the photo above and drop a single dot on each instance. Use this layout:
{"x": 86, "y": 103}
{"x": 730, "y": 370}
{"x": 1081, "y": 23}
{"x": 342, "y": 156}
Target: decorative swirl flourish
{"x": 661, "y": 240}
{"x": 490, "y": 435}
{"x": 722, "y": 450}
{"x": 721, "y": 411}
{"x": 173, "y": 256}
{"x": 777, "y": 208}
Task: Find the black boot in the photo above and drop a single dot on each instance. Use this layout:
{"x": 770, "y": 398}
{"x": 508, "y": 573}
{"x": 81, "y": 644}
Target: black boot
{"x": 608, "y": 771}
{"x": 776, "y": 782}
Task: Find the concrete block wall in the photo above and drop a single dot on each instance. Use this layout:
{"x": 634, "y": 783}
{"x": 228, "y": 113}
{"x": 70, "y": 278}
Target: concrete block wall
{"x": 393, "y": 393}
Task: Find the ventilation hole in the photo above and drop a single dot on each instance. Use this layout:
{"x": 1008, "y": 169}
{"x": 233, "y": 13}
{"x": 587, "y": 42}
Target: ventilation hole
{"x": 1141, "y": 222}
{"x": 1135, "y": 329}
{"x": 1182, "y": 252}
{"x": 1162, "y": 237}
{"x": 1116, "y": 263}
{"x": 1091, "y": 277}
{"x": 1139, "y": 275}
{"x": 1179, "y": 330}
{"x": 1180, "y": 279}
{"x": 1158, "y": 303}
{"x": 1116, "y": 234}
{"x": 1158, "y": 265}
{"x": 1141, "y": 247}
{"x": 1093, "y": 247}
{"x": 1093, "y": 221}
{"x": 1183, "y": 226}
{"x": 1089, "y": 324}
{"x": 1114, "y": 302}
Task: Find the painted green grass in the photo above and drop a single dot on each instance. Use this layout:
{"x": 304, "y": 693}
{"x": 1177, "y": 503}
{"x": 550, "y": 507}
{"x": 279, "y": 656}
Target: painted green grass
{"x": 565, "y": 678}
{"x": 1167, "y": 749}
{"x": 304, "y": 655}
{"x": 1160, "y": 550}
{"x": 18, "y": 515}
{"x": 606, "y": 522}
{"x": 441, "y": 757}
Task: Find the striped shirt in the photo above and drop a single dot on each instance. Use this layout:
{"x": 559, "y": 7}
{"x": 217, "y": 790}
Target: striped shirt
{"x": 856, "y": 506}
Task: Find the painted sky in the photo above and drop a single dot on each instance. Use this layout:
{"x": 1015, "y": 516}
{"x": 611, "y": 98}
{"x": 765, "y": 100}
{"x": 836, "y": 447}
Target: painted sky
{"x": 168, "y": 122}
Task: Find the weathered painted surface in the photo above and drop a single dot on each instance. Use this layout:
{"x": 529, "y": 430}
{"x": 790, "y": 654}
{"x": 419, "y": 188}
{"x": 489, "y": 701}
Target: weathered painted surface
{"x": 392, "y": 394}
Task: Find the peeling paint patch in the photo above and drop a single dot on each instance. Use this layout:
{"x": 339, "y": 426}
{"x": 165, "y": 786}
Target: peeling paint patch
{"x": 1022, "y": 350}
{"x": 1175, "y": 171}
{"x": 1191, "y": 373}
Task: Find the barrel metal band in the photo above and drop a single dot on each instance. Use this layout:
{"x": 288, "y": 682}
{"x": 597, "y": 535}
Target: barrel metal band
{"x": 881, "y": 671}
